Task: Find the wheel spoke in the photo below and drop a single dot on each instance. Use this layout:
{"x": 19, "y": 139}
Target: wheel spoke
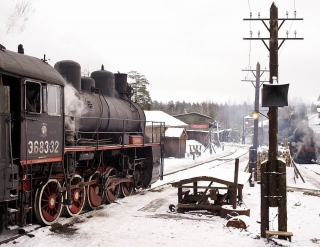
{"x": 94, "y": 192}
{"x": 112, "y": 191}
{"x": 127, "y": 189}
{"x": 77, "y": 197}
{"x": 48, "y": 203}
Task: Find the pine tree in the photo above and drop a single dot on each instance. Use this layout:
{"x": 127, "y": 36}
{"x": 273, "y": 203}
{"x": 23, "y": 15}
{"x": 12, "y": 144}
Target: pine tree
{"x": 141, "y": 94}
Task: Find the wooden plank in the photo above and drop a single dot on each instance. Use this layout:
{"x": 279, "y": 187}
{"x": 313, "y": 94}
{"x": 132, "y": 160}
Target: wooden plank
{"x": 279, "y": 233}
{"x": 195, "y": 198}
{"x": 202, "y": 187}
{"x": 204, "y": 178}
{"x": 194, "y": 206}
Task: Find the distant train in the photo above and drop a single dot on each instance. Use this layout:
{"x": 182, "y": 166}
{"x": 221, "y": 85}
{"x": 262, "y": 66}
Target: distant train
{"x": 66, "y": 147}
{"x": 318, "y": 106}
{"x": 300, "y": 137}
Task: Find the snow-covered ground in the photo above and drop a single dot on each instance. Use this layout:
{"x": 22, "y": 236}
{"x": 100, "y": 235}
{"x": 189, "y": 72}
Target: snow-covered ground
{"x": 145, "y": 220}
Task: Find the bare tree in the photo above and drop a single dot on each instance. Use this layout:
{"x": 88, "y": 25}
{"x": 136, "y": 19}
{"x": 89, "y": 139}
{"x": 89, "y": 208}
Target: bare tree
{"x": 20, "y": 15}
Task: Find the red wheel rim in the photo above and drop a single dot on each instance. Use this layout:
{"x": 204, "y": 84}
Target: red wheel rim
{"x": 95, "y": 192}
{"x": 48, "y": 203}
{"x": 127, "y": 189}
{"x": 77, "y": 196}
{"x": 112, "y": 191}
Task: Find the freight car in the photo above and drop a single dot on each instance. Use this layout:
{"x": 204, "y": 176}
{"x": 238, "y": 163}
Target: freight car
{"x": 68, "y": 142}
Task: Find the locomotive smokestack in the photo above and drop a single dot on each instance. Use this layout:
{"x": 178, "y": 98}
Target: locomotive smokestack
{"x": 20, "y": 49}
{"x": 102, "y": 67}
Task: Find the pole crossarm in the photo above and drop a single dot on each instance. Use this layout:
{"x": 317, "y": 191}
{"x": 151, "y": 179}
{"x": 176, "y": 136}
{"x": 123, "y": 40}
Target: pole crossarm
{"x": 268, "y": 19}
{"x": 252, "y": 81}
{"x": 269, "y": 38}
{"x": 263, "y": 40}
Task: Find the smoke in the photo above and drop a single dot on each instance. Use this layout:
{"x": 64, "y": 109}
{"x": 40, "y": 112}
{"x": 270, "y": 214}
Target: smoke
{"x": 74, "y": 107}
{"x": 306, "y": 142}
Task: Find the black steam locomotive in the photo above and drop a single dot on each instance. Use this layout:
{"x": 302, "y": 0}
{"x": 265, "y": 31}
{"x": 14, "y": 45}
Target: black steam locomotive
{"x": 69, "y": 142}
{"x": 300, "y": 137}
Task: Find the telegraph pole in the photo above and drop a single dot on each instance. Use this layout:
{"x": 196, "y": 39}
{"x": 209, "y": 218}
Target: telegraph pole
{"x": 253, "y": 155}
{"x": 273, "y": 185}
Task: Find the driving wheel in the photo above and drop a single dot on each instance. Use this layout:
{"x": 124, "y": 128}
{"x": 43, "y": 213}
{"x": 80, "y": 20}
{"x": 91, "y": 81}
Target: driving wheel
{"x": 95, "y": 191}
{"x": 78, "y": 196}
{"x": 112, "y": 190}
{"x": 48, "y": 202}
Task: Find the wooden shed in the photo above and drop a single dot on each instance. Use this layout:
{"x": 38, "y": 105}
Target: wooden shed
{"x": 175, "y": 142}
{"x": 155, "y": 120}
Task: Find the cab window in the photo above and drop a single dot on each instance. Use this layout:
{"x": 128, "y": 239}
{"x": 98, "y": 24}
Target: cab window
{"x": 54, "y": 99}
{"x": 33, "y": 97}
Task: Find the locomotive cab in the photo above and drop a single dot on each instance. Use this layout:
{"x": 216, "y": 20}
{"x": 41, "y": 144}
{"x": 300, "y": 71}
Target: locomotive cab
{"x": 31, "y": 123}
{"x": 42, "y": 122}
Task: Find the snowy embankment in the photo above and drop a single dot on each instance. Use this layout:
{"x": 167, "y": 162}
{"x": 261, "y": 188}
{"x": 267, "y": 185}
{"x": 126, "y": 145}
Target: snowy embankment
{"x": 145, "y": 220}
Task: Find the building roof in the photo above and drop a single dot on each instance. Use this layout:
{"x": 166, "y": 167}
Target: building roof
{"x": 159, "y": 116}
{"x": 174, "y": 132}
{"x": 193, "y": 113}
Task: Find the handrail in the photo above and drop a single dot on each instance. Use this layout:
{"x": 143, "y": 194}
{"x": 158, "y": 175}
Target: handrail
{"x": 155, "y": 136}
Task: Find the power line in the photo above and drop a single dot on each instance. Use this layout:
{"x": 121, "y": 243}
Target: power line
{"x": 294, "y": 7}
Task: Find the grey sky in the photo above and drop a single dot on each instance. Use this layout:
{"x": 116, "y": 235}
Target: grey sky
{"x": 188, "y": 50}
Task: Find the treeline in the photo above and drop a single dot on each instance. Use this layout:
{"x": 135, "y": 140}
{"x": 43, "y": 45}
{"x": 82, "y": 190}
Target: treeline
{"x": 229, "y": 116}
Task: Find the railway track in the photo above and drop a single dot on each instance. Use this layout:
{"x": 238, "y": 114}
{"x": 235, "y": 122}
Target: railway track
{"x": 64, "y": 223}
{"x": 210, "y": 163}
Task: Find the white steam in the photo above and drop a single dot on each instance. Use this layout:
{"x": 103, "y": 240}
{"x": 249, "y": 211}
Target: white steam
{"x": 74, "y": 107}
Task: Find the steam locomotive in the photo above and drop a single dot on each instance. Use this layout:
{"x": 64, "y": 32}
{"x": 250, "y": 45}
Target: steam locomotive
{"x": 300, "y": 137}
{"x": 69, "y": 143}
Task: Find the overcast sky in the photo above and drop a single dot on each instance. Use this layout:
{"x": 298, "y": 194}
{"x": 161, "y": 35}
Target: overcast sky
{"x": 188, "y": 50}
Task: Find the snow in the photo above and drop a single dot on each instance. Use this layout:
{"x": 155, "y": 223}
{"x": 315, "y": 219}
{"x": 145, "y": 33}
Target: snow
{"x": 145, "y": 219}
{"x": 174, "y": 132}
{"x": 160, "y": 116}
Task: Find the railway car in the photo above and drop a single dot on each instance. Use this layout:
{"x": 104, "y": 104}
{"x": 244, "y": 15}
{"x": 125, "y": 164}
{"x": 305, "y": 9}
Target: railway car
{"x": 68, "y": 143}
{"x": 318, "y": 106}
{"x": 301, "y": 137}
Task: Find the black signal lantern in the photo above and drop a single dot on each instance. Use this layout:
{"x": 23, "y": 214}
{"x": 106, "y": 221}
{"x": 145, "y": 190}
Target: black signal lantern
{"x": 275, "y": 95}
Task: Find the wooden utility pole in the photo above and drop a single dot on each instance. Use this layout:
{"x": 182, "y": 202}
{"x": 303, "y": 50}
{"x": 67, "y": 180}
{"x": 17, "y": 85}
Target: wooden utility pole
{"x": 253, "y": 155}
{"x": 273, "y": 110}
{"x": 273, "y": 175}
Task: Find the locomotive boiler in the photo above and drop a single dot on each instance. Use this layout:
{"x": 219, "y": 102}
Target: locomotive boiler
{"x": 68, "y": 142}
